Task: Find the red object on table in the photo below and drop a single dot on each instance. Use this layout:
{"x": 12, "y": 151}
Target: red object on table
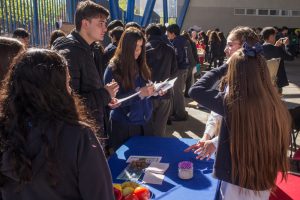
{"x": 287, "y": 190}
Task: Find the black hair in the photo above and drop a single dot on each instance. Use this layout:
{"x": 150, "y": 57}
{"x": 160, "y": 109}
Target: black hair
{"x": 267, "y": 32}
{"x": 133, "y": 24}
{"x": 174, "y": 28}
{"x": 113, "y": 24}
{"x": 35, "y": 94}
{"x": 116, "y": 32}
{"x": 163, "y": 29}
{"x": 153, "y": 29}
{"x": 20, "y": 33}
{"x": 88, "y": 10}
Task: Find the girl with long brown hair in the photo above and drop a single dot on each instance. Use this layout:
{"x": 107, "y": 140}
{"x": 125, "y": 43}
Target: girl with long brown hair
{"x": 128, "y": 67}
{"x": 254, "y": 134}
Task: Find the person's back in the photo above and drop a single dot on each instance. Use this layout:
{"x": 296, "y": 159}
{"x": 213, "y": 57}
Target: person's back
{"x": 52, "y": 151}
{"x": 160, "y": 58}
{"x": 66, "y": 175}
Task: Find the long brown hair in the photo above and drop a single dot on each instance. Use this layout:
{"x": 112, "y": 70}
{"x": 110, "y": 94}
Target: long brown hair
{"x": 258, "y": 121}
{"x": 125, "y": 67}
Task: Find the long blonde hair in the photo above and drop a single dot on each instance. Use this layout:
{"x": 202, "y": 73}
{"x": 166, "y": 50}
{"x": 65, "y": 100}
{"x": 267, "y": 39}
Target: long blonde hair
{"x": 258, "y": 121}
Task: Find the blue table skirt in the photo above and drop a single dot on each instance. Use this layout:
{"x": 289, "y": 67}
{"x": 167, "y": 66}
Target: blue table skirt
{"x": 201, "y": 186}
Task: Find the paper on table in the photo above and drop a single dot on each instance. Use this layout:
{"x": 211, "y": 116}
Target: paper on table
{"x": 153, "y": 178}
{"x": 129, "y": 97}
{"x": 148, "y": 159}
{"x": 159, "y": 168}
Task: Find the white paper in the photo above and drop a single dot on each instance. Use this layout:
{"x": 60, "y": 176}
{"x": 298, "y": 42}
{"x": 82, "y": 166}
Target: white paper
{"x": 129, "y": 97}
{"x": 164, "y": 86}
{"x": 159, "y": 168}
{"x": 148, "y": 159}
{"x": 153, "y": 178}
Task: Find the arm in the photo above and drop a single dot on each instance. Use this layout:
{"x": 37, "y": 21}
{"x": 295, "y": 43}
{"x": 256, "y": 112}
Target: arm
{"x": 108, "y": 77}
{"x": 74, "y": 65}
{"x": 94, "y": 178}
{"x": 202, "y": 91}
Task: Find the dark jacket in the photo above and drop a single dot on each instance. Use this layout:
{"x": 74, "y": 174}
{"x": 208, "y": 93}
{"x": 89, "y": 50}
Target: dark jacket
{"x": 80, "y": 167}
{"x": 161, "y": 59}
{"x": 271, "y": 51}
{"x": 86, "y": 70}
{"x": 204, "y": 93}
{"x": 109, "y": 52}
{"x": 214, "y": 49}
{"x": 181, "y": 46}
{"x": 195, "y": 53}
{"x": 135, "y": 111}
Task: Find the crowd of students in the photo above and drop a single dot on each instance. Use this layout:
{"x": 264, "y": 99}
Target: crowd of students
{"x": 60, "y": 115}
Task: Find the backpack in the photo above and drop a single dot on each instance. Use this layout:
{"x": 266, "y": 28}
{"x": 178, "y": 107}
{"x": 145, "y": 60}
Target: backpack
{"x": 181, "y": 51}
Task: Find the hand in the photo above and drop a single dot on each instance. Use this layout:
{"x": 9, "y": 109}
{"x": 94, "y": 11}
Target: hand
{"x": 162, "y": 93}
{"x": 112, "y": 88}
{"x": 147, "y": 91}
{"x": 114, "y": 103}
{"x": 206, "y": 150}
{"x": 194, "y": 147}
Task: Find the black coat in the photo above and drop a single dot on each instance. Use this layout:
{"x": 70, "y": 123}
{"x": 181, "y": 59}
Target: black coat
{"x": 161, "y": 59}
{"x": 86, "y": 71}
{"x": 79, "y": 165}
{"x": 271, "y": 51}
{"x": 109, "y": 52}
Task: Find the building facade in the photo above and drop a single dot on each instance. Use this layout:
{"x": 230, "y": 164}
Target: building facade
{"x": 227, "y": 14}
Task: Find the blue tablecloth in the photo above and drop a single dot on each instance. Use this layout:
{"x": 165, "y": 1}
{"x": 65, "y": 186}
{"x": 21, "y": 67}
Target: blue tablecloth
{"x": 201, "y": 186}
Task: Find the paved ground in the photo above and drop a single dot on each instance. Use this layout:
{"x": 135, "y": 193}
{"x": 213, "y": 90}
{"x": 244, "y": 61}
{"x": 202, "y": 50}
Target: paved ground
{"x": 194, "y": 127}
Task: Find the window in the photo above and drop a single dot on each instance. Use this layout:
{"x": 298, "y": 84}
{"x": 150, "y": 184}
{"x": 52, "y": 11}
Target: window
{"x": 251, "y": 12}
{"x": 239, "y": 11}
{"x": 284, "y": 12}
{"x": 263, "y": 12}
{"x": 274, "y": 12}
{"x": 296, "y": 13}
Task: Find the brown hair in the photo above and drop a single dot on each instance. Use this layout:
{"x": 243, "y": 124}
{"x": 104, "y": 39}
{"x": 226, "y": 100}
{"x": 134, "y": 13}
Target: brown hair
{"x": 88, "y": 10}
{"x": 9, "y": 48}
{"x": 258, "y": 121}
{"x": 54, "y": 35}
{"x": 125, "y": 67}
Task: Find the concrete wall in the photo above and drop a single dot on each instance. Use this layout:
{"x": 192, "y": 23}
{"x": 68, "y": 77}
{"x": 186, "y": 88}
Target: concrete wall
{"x": 211, "y": 14}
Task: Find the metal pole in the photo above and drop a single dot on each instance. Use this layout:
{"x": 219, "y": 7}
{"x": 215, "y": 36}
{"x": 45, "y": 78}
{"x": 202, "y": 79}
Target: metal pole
{"x": 130, "y": 10}
{"x": 36, "y": 22}
{"x": 114, "y": 9}
{"x": 148, "y": 12}
{"x": 166, "y": 15}
{"x": 181, "y": 17}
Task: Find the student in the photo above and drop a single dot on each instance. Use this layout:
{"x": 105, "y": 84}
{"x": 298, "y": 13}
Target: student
{"x": 159, "y": 54}
{"x": 251, "y": 150}
{"x": 109, "y": 51}
{"x": 181, "y": 47}
{"x": 48, "y": 145}
{"x": 85, "y": 66}
{"x": 9, "y": 48}
{"x": 276, "y": 49}
{"x": 23, "y": 36}
{"x": 128, "y": 67}
{"x": 208, "y": 144}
